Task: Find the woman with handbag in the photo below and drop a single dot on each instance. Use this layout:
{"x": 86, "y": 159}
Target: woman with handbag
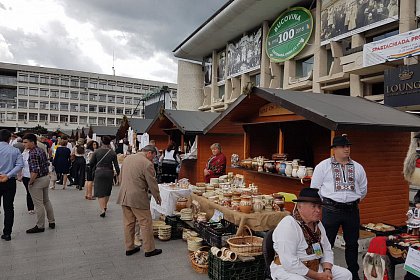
{"x": 102, "y": 161}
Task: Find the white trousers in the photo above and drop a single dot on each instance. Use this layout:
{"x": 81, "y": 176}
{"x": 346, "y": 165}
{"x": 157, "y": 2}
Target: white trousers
{"x": 279, "y": 273}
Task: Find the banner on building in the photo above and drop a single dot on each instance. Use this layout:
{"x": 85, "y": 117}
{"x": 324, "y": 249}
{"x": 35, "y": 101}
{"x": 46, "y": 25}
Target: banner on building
{"x": 244, "y": 55}
{"x": 289, "y": 34}
{"x": 392, "y": 48}
{"x": 402, "y": 86}
{"x": 207, "y": 70}
{"x": 221, "y": 57}
{"x": 343, "y": 18}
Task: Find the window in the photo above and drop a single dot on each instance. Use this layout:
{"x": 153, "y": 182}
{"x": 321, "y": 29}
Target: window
{"x": 74, "y": 82}
{"x": 64, "y": 118}
{"x": 102, "y": 84}
{"x": 92, "y": 120}
{"x": 33, "y": 104}
{"x": 74, "y": 95}
{"x": 54, "y": 106}
{"x": 54, "y": 93}
{"x": 73, "y": 119}
{"x": 23, "y": 91}
{"x": 84, "y": 96}
{"x": 22, "y": 117}
{"x": 64, "y": 106}
{"x": 120, "y": 111}
{"x": 84, "y": 83}
{"x": 33, "y": 79}
{"x": 255, "y": 79}
{"x": 136, "y": 100}
{"x": 102, "y": 98}
{"x": 119, "y": 121}
{"x": 33, "y": 117}
{"x": 33, "y": 92}
{"x": 64, "y": 94}
{"x": 43, "y": 117}
{"x": 128, "y": 100}
{"x": 43, "y": 92}
{"x": 23, "y": 78}
{"x": 110, "y": 121}
{"x": 92, "y": 96}
{"x": 221, "y": 91}
{"x": 83, "y": 120}
{"x": 54, "y": 81}
{"x": 304, "y": 67}
{"x": 111, "y": 110}
{"x": 111, "y": 98}
{"x": 83, "y": 108}
{"x": 11, "y": 116}
{"x": 111, "y": 86}
{"x": 93, "y": 84}
{"x": 102, "y": 109}
{"x": 128, "y": 111}
{"x": 120, "y": 99}
{"x": 93, "y": 108}
{"x": 23, "y": 104}
{"x": 74, "y": 107}
{"x": 44, "y": 79}
{"x": 65, "y": 81}
{"x": 53, "y": 118}
{"x": 43, "y": 105}
{"x": 101, "y": 121}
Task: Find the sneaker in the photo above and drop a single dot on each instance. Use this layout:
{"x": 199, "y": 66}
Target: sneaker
{"x": 35, "y": 229}
{"x": 132, "y": 251}
{"x": 31, "y": 212}
{"x": 155, "y": 252}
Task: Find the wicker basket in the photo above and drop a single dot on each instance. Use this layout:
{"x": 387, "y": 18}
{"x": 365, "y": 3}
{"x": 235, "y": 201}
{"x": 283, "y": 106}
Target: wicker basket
{"x": 200, "y": 268}
{"x": 247, "y": 246}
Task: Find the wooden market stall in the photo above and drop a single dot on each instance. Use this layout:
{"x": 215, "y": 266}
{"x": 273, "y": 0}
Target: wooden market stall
{"x": 183, "y": 127}
{"x": 302, "y": 125}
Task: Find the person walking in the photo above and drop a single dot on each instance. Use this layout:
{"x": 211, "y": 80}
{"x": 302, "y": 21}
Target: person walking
{"x": 137, "y": 179}
{"x": 62, "y": 162}
{"x": 10, "y": 166}
{"x": 102, "y": 161}
{"x": 39, "y": 184}
{"x": 342, "y": 184}
{"x": 25, "y": 176}
{"x": 79, "y": 165}
{"x": 90, "y": 148}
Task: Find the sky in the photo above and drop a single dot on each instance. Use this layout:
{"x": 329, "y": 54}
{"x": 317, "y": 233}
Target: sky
{"x": 136, "y": 36}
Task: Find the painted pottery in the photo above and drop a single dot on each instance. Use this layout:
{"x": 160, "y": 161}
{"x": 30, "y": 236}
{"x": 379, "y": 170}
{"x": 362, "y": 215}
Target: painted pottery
{"x": 301, "y": 171}
{"x": 246, "y": 204}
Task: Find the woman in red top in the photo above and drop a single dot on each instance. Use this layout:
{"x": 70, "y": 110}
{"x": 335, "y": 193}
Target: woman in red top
{"x": 216, "y": 165}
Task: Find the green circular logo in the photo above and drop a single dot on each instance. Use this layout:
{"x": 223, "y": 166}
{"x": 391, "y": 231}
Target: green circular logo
{"x": 289, "y": 34}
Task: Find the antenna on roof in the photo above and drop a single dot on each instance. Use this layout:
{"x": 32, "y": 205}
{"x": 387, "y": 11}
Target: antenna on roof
{"x": 113, "y": 63}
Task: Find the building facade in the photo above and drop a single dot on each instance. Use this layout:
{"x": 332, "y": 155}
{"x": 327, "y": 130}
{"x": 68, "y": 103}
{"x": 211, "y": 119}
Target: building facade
{"x": 66, "y": 99}
{"x": 235, "y": 50}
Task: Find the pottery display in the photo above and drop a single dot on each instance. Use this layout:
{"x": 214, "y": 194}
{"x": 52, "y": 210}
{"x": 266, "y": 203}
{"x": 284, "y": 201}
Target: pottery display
{"x": 235, "y": 204}
{"x": 288, "y": 170}
{"x": 234, "y": 160}
{"x": 181, "y": 203}
{"x": 309, "y": 171}
{"x": 269, "y": 166}
{"x": 257, "y": 204}
{"x": 301, "y": 173}
{"x": 246, "y": 204}
{"x": 295, "y": 169}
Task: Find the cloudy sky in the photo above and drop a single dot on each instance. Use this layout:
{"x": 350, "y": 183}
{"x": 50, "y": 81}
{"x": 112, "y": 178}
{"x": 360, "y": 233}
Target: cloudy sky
{"x": 84, "y": 34}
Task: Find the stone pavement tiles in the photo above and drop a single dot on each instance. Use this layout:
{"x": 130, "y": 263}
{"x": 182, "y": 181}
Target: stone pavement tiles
{"x": 86, "y": 246}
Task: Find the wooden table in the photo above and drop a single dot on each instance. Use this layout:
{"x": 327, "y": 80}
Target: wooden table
{"x": 263, "y": 221}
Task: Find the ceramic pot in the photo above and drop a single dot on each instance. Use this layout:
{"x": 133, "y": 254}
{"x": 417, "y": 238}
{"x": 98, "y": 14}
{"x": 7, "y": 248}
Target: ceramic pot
{"x": 278, "y": 165}
{"x": 268, "y": 202}
{"x": 301, "y": 171}
{"x": 282, "y": 170}
{"x": 234, "y": 160}
{"x": 309, "y": 171}
{"x": 278, "y": 203}
{"x": 227, "y": 199}
{"x": 258, "y": 205}
{"x": 295, "y": 169}
{"x": 181, "y": 203}
{"x": 246, "y": 204}
{"x": 269, "y": 166}
{"x": 236, "y": 203}
{"x": 288, "y": 170}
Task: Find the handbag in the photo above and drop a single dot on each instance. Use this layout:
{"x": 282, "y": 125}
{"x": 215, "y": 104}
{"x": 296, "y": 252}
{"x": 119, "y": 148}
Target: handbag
{"x": 93, "y": 168}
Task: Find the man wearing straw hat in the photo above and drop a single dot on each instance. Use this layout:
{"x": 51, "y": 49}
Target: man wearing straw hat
{"x": 137, "y": 178}
{"x": 301, "y": 244}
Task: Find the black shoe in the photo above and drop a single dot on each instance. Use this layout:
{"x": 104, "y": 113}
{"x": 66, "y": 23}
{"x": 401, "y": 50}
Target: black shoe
{"x": 35, "y": 229}
{"x": 102, "y": 215}
{"x": 51, "y": 225}
{"x": 155, "y": 252}
{"x": 132, "y": 252}
{"x": 6, "y": 237}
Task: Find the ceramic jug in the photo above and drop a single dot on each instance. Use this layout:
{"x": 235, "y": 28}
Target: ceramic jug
{"x": 295, "y": 170}
{"x": 301, "y": 171}
{"x": 288, "y": 170}
{"x": 246, "y": 204}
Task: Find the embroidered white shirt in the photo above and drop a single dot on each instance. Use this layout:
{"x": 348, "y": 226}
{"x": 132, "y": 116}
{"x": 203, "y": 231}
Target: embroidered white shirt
{"x": 347, "y": 184}
{"x": 290, "y": 245}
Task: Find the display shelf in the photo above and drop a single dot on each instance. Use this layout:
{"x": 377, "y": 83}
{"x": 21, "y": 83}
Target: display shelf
{"x": 273, "y": 174}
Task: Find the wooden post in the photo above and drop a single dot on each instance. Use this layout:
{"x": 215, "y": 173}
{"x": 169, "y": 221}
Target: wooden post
{"x": 331, "y": 140}
{"x": 281, "y": 142}
{"x": 246, "y": 145}
{"x": 182, "y": 143}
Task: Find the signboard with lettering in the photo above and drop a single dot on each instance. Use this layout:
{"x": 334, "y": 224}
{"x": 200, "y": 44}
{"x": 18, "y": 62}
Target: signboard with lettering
{"x": 402, "y": 86}
{"x": 392, "y": 48}
{"x": 272, "y": 109}
{"x": 289, "y": 34}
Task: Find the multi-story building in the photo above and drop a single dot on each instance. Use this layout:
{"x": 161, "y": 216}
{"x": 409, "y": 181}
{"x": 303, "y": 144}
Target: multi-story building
{"x": 66, "y": 99}
{"x": 343, "y": 47}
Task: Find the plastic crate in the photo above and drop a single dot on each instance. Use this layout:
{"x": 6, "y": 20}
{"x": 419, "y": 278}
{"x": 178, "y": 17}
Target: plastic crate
{"x": 199, "y": 227}
{"x": 238, "y": 270}
{"x": 176, "y": 226}
{"x": 217, "y": 234}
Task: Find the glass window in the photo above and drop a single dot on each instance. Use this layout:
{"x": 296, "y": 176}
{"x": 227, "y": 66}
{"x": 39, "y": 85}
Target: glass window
{"x": 33, "y": 92}
{"x": 65, "y": 81}
{"x": 111, "y": 98}
{"x": 120, "y": 99}
{"x": 44, "y": 79}
{"x": 102, "y": 98}
{"x": 23, "y": 77}
{"x": 83, "y": 108}
{"x": 92, "y": 96}
{"x": 74, "y": 95}
{"x": 128, "y": 111}
{"x": 54, "y": 93}
{"x": 74, "y": 107}
{"x": 93, "y": 108}
{"x": 93, "y": 83}
{"x": 64, "y": 106}
{"x": 64, "y": 94}
{"x": 74, "y": 82}
{"x": 111, "y": 110}
{"x": 84, "y": 96}
{"x": 53, "y": 106}
{"x": 54, "y": 80}
{"x": 102, "y": 84}
{"x": 102, "y": 109}
{"x": 64, "y": 118}
{"x": 128, "y": 100}
{"x": 110, "y": 121}
{"x": 23, "y": 91}
{"x": 119, "y": 121}
{"x": 23, "y": 104}
{"x": 101, "y": 121}
{"x": 33, "y": 117}
{"x": 53, "y": 118}
{"x": 73, "y": 119}
{"x": 22, "y": 116}
{"x": 33, "y": 104}
{"x": 304, "y": 67}
{"x": 120, "y": 87}
{"x": 92, "y": 120}
{"x": 120, "y": 111}
{"x": 83, "y": 120}
{"x": 43, "y": 117}
{"x": 43, "y": 92}
{"x": 84, "y": 83}
{"x": 255, "y": 79}
{"x": 33, "y": 78}
{"x": 10, "y": 116}
{"x": 111, "y": 85}
{"x": 43, "y": 105}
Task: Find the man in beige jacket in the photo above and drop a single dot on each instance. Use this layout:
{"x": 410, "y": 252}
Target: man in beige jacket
{"x": 137, "y": 179}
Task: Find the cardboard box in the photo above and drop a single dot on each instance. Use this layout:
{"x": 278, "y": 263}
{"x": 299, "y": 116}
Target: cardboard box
{"x": 364, "y": 240}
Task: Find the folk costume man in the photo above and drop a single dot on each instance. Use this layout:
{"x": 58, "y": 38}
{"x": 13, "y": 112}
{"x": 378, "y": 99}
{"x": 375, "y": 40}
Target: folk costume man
{"x": 301, "y": 244}
{"x": 137, "y": 179}
{"x": 216, "y": 165}
{"x": 342, "y": 184}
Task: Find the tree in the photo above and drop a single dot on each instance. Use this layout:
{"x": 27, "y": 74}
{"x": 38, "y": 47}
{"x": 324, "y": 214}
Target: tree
{"x": 82, "y": 134}
{"x": 39, "y": 130}
{"x": 122, "y": 130}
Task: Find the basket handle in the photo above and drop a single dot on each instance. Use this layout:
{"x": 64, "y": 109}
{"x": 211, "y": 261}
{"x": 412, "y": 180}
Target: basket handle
{"x": 249, "y": 230}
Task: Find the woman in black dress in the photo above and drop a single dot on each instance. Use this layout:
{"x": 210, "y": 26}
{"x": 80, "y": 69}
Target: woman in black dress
{"x": 90, "y": 148}
{"x": 62, "y": 161}
{"x": 103, "y": 160}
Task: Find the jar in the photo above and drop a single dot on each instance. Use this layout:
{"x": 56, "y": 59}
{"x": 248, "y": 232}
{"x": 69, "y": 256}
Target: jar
{"x": 269, "y": 166}
{"x": 301, "y": 173}
{"x": 282, "y": 170}
{"x": 278, "y": 203}
{"x": 295, "y": 170}
{"x": 309, "y": 171}
{"x": 288, "y": 170}
{"x": 246, "y": 204}
{"x": 227, "y": 199}
{"x": 257, "y": 205}
{"x": 234, "y": 160}
{"x": 181, "y": 203}
{"x": 236, "y": 202}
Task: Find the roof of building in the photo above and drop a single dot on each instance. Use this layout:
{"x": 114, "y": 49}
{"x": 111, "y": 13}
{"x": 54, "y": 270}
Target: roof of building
{"x": 102, "y": 130}
{"x": 188, "y": 122}
{"x": 333, "y": 112}
{"x": 140, "y": 125}
{"x": 229, "y": 22}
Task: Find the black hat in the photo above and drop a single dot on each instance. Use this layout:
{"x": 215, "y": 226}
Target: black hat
{"x": 309, "y": 195}
{"x": 340, "y": 141}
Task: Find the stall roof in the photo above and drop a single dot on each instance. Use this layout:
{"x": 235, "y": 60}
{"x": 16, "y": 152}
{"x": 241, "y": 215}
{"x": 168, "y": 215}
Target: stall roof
{"x": 140, "y": 125}
{"x": 188, "y": 122}
{"x": 333, "y": 111}
{"x": 101, "y": 130}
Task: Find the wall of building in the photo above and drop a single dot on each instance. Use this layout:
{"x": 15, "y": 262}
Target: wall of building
{"x": 190, "y": 85}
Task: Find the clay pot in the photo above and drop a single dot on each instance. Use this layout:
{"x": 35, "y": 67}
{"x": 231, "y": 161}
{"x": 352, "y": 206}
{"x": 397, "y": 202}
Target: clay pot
{"x": 288, "y": 170}
{"x": 301, "y": 171}
{"x": 295, "y": 170}
{"x": 269, "y": 166}
{"x": 258, "y": 205}
{"x": 246, "y": 204}
{"x": 181, "y": 203}
{"x": 235, "y": 204}
{"x": 309, "y": 171}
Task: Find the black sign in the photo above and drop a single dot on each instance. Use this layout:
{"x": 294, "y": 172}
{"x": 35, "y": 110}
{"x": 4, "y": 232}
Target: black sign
{"x": 402, "y": 86}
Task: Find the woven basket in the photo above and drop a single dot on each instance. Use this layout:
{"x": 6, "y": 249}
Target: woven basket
{"x": 247, "y": 246}
{"x": 200, "y": 268}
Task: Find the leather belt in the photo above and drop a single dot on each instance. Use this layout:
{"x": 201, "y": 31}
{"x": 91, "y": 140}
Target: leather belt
{"x": 340, "y": 205}
{"x": 312, "y": 264}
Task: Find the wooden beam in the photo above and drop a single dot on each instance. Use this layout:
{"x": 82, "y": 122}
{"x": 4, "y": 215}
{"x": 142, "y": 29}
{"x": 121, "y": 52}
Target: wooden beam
{"x": 246, "y": 144}
{"x": 281, "y": 142}
{"x": 331, "y": 140}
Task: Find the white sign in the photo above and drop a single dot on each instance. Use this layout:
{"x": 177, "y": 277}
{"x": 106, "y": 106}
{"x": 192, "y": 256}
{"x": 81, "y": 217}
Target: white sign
{"x": 412, "y": 262}
{"x": 392, "y": 48}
